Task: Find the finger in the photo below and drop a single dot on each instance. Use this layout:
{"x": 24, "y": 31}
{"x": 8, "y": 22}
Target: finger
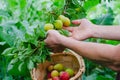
{"x": 76, "y": 22}
{"x": 48, "y": 32}
{"x": 46, "y": 42}
{"x": 68, "y": 28}
{"x": 71, "y": 37}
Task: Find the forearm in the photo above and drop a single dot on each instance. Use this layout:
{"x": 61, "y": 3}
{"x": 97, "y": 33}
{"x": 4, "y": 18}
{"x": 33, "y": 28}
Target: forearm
{"x": 94, "y": 51}
{"x": 107, "y": 32}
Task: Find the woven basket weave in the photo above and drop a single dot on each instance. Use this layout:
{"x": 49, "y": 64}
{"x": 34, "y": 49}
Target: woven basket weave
{"x": 68, "y": 59}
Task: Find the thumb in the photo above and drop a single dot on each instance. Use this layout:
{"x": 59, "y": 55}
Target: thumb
{"x": 77, "y": 22}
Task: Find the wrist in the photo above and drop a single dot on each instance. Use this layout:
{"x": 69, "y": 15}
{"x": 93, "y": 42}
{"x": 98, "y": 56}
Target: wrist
{"x": 61, "y": 39}
{"x": 94, "y": 31}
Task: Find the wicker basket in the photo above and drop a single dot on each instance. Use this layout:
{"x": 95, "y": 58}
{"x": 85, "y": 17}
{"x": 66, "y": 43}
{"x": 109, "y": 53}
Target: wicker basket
{"x": 68, "y": 59}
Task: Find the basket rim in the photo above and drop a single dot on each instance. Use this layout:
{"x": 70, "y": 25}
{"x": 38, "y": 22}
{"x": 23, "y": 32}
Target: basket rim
{"x": 80, "y": 61}
{"x": 81, "y": 64}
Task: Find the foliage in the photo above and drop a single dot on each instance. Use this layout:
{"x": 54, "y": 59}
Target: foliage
{"x": 22, "y": 35}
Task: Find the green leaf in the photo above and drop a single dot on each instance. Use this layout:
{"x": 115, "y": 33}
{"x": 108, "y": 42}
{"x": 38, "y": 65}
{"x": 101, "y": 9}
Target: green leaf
{"x": 40, "y": 33}
{"x": 101, "y": 77}
{"x": 59, "y": 4}
{"x": 64, "y": 32}
{"x": 20, "y": 66}
{"x": 13, "y": 61}
{"x": 4, "y": 13}
{"x": 8, "y": 78}
{"x": 20, "y": 26}
{"x": 10, "y": 34}
{"x": 75, "y": 2}
{"x": 91, "y": 77}
{"x": 2, "y": 43}
{"x": 113, "y": 42}
{"x": 31, "y": 38}
{"x": 106, "y": 19}
{"x": 7, "y": 51}
{"x": 90, "y": 3}
{"x": 11, "y": 68}
{"x": 30, "y": 65}
{"x": 22, "y": 4}
{"x": 14, "y": 69}
{"x": 12, "y": 3}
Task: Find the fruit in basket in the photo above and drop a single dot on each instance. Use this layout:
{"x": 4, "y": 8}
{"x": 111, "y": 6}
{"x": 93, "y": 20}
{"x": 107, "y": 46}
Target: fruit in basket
{"x": 64, "y": 76}
{"x": 58, "y": 67}
{"x": 54, "y": 73}
{"x": 48, "y": 26}
{"x": 59, "y": 72}
{"x": 49, "y": 75}
{"x": 58, "y": 24}
{"x": 49, "y": 79}
{"x": 50, "y": 68}
{"x": 70, "y": 71}
{"x": 55, "y": 78}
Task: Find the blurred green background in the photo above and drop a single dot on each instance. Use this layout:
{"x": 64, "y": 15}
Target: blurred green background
{"x": 20, "y": 18}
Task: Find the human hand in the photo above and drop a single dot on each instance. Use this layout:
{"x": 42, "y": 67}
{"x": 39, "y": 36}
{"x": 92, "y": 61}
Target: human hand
{"x": 83, "y": 31}
{"x": 53, "y": 41}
